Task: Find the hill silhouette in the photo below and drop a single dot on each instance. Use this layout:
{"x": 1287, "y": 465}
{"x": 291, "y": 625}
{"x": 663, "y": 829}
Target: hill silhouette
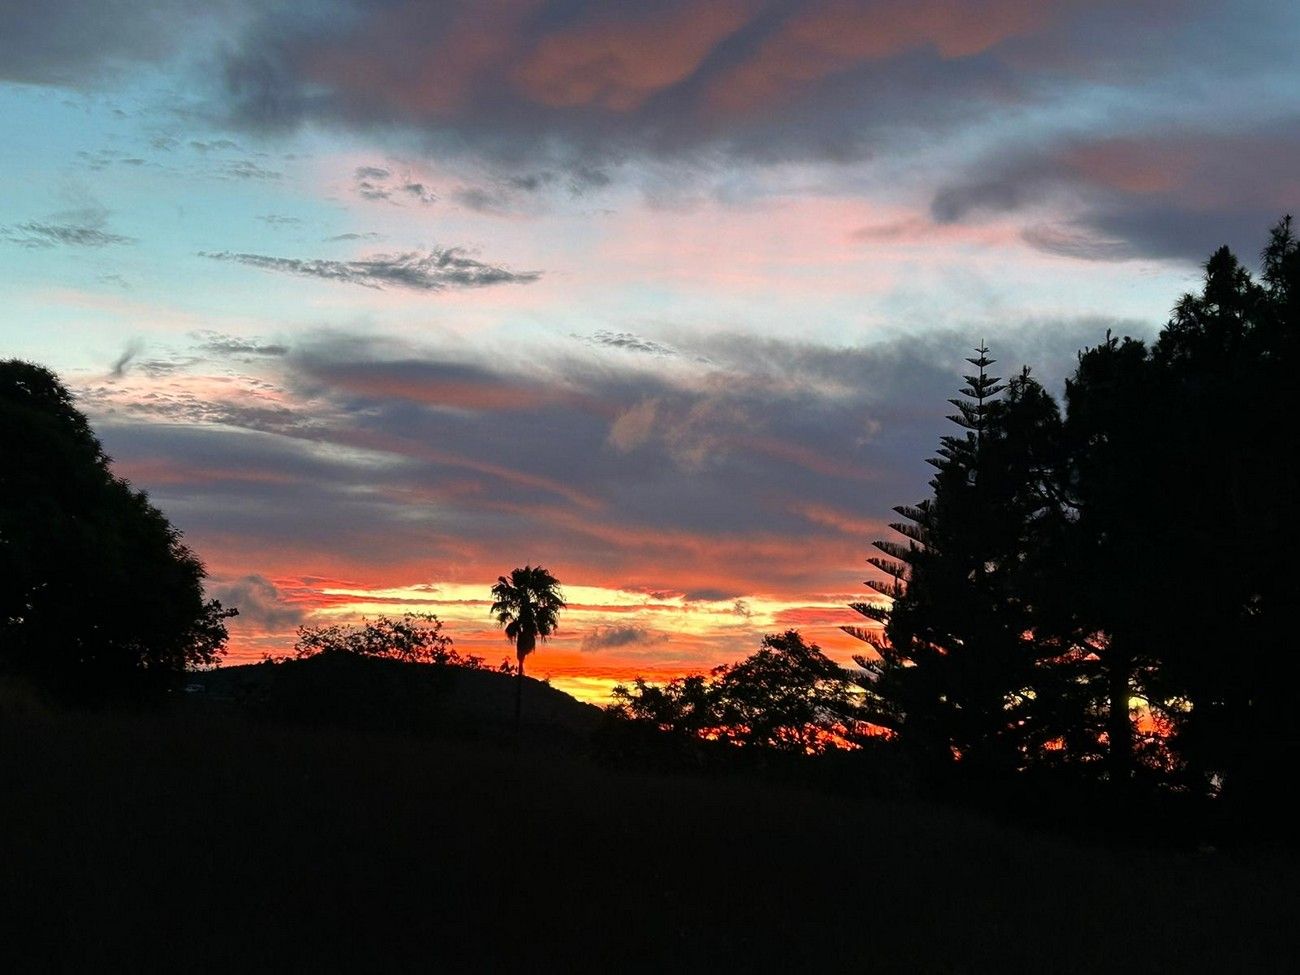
{"x": 344, "y": 690}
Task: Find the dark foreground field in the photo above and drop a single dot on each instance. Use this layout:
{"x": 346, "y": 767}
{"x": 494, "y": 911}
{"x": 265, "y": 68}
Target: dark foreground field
{"x": 204, "y": 840}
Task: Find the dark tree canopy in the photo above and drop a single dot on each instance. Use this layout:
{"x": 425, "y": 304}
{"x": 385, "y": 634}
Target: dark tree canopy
{"x": 94, "y": 581}
{"x": 410, "y": 638}
{"x": 787, "y": 696}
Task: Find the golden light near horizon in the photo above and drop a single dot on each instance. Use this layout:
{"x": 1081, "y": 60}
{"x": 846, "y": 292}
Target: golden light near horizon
{"x": 607, "y": 636}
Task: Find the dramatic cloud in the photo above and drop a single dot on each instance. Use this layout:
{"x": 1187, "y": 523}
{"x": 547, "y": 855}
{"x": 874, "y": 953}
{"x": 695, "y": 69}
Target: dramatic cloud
{"x": 620, "y": 63}
{"x": 760, "y": 77}
{"x": 433, "y": 271}
{"x": 689, "y": 503}
{"x": 824, "y": 39}
{"x": 673, "y": 480}
{"x": 616, "y": 636}
{"x": 527, "y": 94}
{"x": 259, "y": 602}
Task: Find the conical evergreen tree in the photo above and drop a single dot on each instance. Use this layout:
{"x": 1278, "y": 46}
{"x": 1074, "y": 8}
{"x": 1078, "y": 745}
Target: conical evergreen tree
{"x": 955, "y": 668}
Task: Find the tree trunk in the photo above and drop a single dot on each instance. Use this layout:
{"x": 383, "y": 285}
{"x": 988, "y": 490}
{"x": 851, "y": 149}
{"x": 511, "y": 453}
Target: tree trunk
{"x": 1119, "y": 728}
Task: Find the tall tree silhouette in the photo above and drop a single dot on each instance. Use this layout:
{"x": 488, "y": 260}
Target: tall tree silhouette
{"x": 95, "y": 583}
{"x": 1110, "y": 598}
{"x": 954, "y": 672}
{"x": 527, "y": 605}
{"x": 1226, "y": 363}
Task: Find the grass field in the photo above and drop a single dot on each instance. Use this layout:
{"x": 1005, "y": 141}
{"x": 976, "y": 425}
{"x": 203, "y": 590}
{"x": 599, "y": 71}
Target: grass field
{"x": 201, "y": 839}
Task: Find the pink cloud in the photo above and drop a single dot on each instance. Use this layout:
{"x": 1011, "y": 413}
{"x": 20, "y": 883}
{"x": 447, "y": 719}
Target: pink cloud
{"x": 1203, "y": 169}
{"x": 432, "y": 63}
{"x": 826, "y": 37}
{"x": 619, "y": 64}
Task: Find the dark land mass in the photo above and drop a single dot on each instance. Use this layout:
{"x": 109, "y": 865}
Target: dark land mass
{"x": 339, "y": 814}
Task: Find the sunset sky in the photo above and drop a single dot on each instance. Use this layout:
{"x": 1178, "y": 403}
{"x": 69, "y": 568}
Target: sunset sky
{"x": 380, "y": 299}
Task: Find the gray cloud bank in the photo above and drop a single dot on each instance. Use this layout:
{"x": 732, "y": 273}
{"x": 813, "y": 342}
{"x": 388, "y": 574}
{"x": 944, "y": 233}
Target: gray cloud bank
{"x": 1165, "y": 192}
{"x": 770, "y": 470}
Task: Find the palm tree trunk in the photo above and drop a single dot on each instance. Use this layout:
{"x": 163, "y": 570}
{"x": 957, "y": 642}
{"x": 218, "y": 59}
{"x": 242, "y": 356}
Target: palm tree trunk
{"x": 519, "y": 695}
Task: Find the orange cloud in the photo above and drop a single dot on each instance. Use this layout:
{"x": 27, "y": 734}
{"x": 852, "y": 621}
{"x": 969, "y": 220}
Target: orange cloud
{"x": 455, "y": 394}
{"x": 830, "y": 36}
{"x": 434, "y": 62}
{"x": 618, "y": 65}
{"x": 1132, "y": 166}
{"x": 1202, "y": 169}
{"x": 154, "y": 472}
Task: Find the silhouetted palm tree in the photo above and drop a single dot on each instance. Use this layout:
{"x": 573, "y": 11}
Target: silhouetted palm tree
{"x": 528, "y": 605}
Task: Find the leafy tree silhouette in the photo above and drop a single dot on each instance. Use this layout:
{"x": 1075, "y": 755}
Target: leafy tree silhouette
{"x": 95, "y": 583}
{"x": 1226, "y": 364}
{"x": 1107, "y": 597}
{"x": 787, "y": 696}
{"x": 527, "y": 605}
{"x": 412, "y": 638}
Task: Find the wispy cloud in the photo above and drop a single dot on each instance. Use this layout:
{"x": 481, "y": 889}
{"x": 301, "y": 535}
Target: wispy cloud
{"x": 278, "y": 220}
{"x": 216, "y": 343}
{"x": 247, "y": 169}
{"x": 378, "y": 183}
{"x": 123, "y": 361}
{"x": 630, "y": 342}
{"x": 213, "y": 145}
{"x": 35, "y": 233}
{"x": 1072, "y": 242}
{"x": 434, "y": 270}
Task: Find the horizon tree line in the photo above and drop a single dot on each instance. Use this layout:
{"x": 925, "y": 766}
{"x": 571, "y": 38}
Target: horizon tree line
{"x": 1108, "y": 587}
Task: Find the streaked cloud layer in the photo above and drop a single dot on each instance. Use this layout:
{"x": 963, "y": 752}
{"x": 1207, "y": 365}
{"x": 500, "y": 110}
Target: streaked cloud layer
{"x": 379, "y": 298}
